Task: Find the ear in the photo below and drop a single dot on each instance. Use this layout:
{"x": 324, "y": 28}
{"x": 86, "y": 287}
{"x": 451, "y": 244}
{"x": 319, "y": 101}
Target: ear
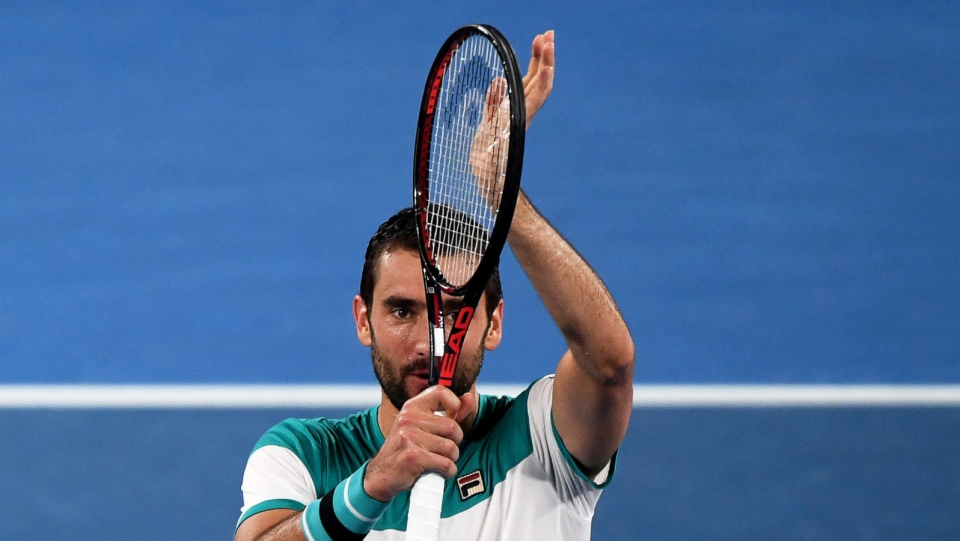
{"x": 495, "y": 330}
{"x": 363, "y": 322}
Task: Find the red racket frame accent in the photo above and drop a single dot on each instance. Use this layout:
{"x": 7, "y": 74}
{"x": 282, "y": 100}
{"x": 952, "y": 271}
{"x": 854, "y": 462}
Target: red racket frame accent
{"x": 444, "y": 361}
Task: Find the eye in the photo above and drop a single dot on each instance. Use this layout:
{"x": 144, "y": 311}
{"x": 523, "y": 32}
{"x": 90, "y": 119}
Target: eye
{"x": 401, "y": 313}
{"x": 452, "y": 314}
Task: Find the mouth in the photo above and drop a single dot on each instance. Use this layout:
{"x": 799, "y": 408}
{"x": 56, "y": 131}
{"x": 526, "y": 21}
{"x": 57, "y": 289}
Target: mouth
{"x": 419, "y": 376}
{"x": 416, "y": 384}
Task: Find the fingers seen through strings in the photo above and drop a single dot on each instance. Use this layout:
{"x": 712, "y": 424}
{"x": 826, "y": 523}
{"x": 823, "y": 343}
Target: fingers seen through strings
{"x": 495, "y": 95}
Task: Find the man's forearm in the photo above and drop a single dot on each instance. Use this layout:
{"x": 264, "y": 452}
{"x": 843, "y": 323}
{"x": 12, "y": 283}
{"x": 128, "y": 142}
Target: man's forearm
{"x": 574, "y": 296}
{"x": 288, "y": 529}
{"x": 347, "y": 511}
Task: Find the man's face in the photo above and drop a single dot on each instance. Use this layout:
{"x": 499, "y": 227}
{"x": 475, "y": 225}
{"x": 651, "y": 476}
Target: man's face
{"x": 396, "y": 329}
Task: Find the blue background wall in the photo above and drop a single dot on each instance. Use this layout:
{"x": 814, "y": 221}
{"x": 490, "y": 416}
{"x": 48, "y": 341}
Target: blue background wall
{"x": 770, "y": 190}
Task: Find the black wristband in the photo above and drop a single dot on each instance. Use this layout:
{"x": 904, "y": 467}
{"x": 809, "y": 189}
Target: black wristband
{"x": 328, "y": 518}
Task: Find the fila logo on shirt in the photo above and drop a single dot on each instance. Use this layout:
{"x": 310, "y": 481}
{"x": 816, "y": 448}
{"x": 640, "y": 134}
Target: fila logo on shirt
{"x": 470, "y": 485}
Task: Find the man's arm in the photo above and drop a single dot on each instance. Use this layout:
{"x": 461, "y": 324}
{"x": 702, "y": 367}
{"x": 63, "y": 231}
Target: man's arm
{"x": 593, "y": 388}
{"x": 272, "y": 525}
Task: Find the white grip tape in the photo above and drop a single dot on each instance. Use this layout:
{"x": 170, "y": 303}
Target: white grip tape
{"x": 423, "y": 518}
{"x": 426, "y": 500}
{"x": 439, "y": 339}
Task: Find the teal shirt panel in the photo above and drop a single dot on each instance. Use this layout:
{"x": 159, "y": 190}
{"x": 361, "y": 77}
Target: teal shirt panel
{"x": 332, "y": 450}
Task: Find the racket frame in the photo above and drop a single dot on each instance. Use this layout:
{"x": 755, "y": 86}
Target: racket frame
{"x": 444, "y": 361}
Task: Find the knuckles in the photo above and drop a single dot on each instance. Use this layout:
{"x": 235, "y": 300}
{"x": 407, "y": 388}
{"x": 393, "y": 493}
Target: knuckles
{"x": 422, "y": 441}
{"x": 409, "y": 460}
{"x": 450, "y": 450}
{"x": 450, "y": 469}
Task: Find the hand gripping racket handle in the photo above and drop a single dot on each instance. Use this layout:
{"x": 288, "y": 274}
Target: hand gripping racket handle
{"x": 426, "y": 500}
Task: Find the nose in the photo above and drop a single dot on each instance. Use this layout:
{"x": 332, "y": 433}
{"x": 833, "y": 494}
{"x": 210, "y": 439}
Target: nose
{"x": 421, "y": 345}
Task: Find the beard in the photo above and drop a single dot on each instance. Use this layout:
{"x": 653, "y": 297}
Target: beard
{"x": 393, "y": 375}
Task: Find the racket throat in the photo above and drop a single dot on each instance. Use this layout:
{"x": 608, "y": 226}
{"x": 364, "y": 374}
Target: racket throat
{"x": 437, "y": 348}
{"x": 444, "y": 364}
{"x": 454, "y": 344}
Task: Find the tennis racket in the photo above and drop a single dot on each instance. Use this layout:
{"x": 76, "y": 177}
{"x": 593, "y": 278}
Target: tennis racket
{"x": 466, "y": 178}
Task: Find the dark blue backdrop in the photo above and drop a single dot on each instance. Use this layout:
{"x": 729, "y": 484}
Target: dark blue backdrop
{"x": 770, "y": 191}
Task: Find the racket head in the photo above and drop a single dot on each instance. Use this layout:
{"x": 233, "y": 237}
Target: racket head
{"x": 465, "y": 205}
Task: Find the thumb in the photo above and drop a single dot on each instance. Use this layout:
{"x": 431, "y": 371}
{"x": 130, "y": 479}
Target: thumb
{"x": 468, "y": 404}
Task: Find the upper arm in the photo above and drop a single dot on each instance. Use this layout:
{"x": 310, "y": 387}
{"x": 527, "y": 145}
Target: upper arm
{"x": 591, "y": 413}
{"x": 276, "y": 485}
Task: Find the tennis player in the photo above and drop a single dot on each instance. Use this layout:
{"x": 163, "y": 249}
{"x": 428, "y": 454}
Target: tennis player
{"x": 530, "y": 467}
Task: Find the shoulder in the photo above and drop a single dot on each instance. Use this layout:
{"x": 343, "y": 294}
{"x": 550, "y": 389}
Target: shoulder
{"x": 298, "y": 435}
{"x": 539, "y": 395}
{"x": 326, "y": 445}
{"x": 497, "y": 407}
{"x": 507, "y": 417}
{"x": 298, "y": 459}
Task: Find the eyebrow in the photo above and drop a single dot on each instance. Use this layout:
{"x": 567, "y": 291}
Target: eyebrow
{"x": 394, "y": 302}
{"x": 404, "y": 303}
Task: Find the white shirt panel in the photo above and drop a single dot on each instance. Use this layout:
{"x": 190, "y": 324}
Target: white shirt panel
{"x": 574, "y": 491}
{"x": 542, "y": 497}
{"x": 275, "y": 473}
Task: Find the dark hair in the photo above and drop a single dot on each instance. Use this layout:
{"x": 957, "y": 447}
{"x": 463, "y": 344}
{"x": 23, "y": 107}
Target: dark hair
{"x": 400, "y": 233}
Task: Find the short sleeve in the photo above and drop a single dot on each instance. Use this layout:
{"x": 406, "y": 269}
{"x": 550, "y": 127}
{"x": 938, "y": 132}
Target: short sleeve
{"x": 572, "y": 485}
{"x": 275, "y": 478}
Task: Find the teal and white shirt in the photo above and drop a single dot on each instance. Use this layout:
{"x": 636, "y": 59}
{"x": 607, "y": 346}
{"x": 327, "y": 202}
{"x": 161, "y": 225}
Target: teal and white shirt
{"x": 515, "y": 479}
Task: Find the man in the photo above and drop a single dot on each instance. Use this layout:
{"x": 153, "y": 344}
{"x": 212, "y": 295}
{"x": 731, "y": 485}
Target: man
{"x": 526, "y": 468}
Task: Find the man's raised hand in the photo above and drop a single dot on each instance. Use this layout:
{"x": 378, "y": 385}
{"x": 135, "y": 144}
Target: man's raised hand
{"x": 538, "y": 82}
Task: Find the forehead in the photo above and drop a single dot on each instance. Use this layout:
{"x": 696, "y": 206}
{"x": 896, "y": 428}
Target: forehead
{"x": 398, "y": 272}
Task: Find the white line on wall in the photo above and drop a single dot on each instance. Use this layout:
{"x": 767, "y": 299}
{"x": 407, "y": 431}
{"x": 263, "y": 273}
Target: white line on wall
{"x": 360, "y": 396}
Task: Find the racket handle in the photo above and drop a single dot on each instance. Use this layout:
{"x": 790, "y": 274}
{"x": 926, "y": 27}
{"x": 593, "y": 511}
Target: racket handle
{"x": 426, "y": 501}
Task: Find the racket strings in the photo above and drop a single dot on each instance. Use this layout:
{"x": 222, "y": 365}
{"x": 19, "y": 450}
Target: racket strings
{"x": 468, "y": 156}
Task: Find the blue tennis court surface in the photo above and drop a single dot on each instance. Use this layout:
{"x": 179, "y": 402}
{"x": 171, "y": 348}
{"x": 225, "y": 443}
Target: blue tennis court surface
{"x": 771, "y": 192}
